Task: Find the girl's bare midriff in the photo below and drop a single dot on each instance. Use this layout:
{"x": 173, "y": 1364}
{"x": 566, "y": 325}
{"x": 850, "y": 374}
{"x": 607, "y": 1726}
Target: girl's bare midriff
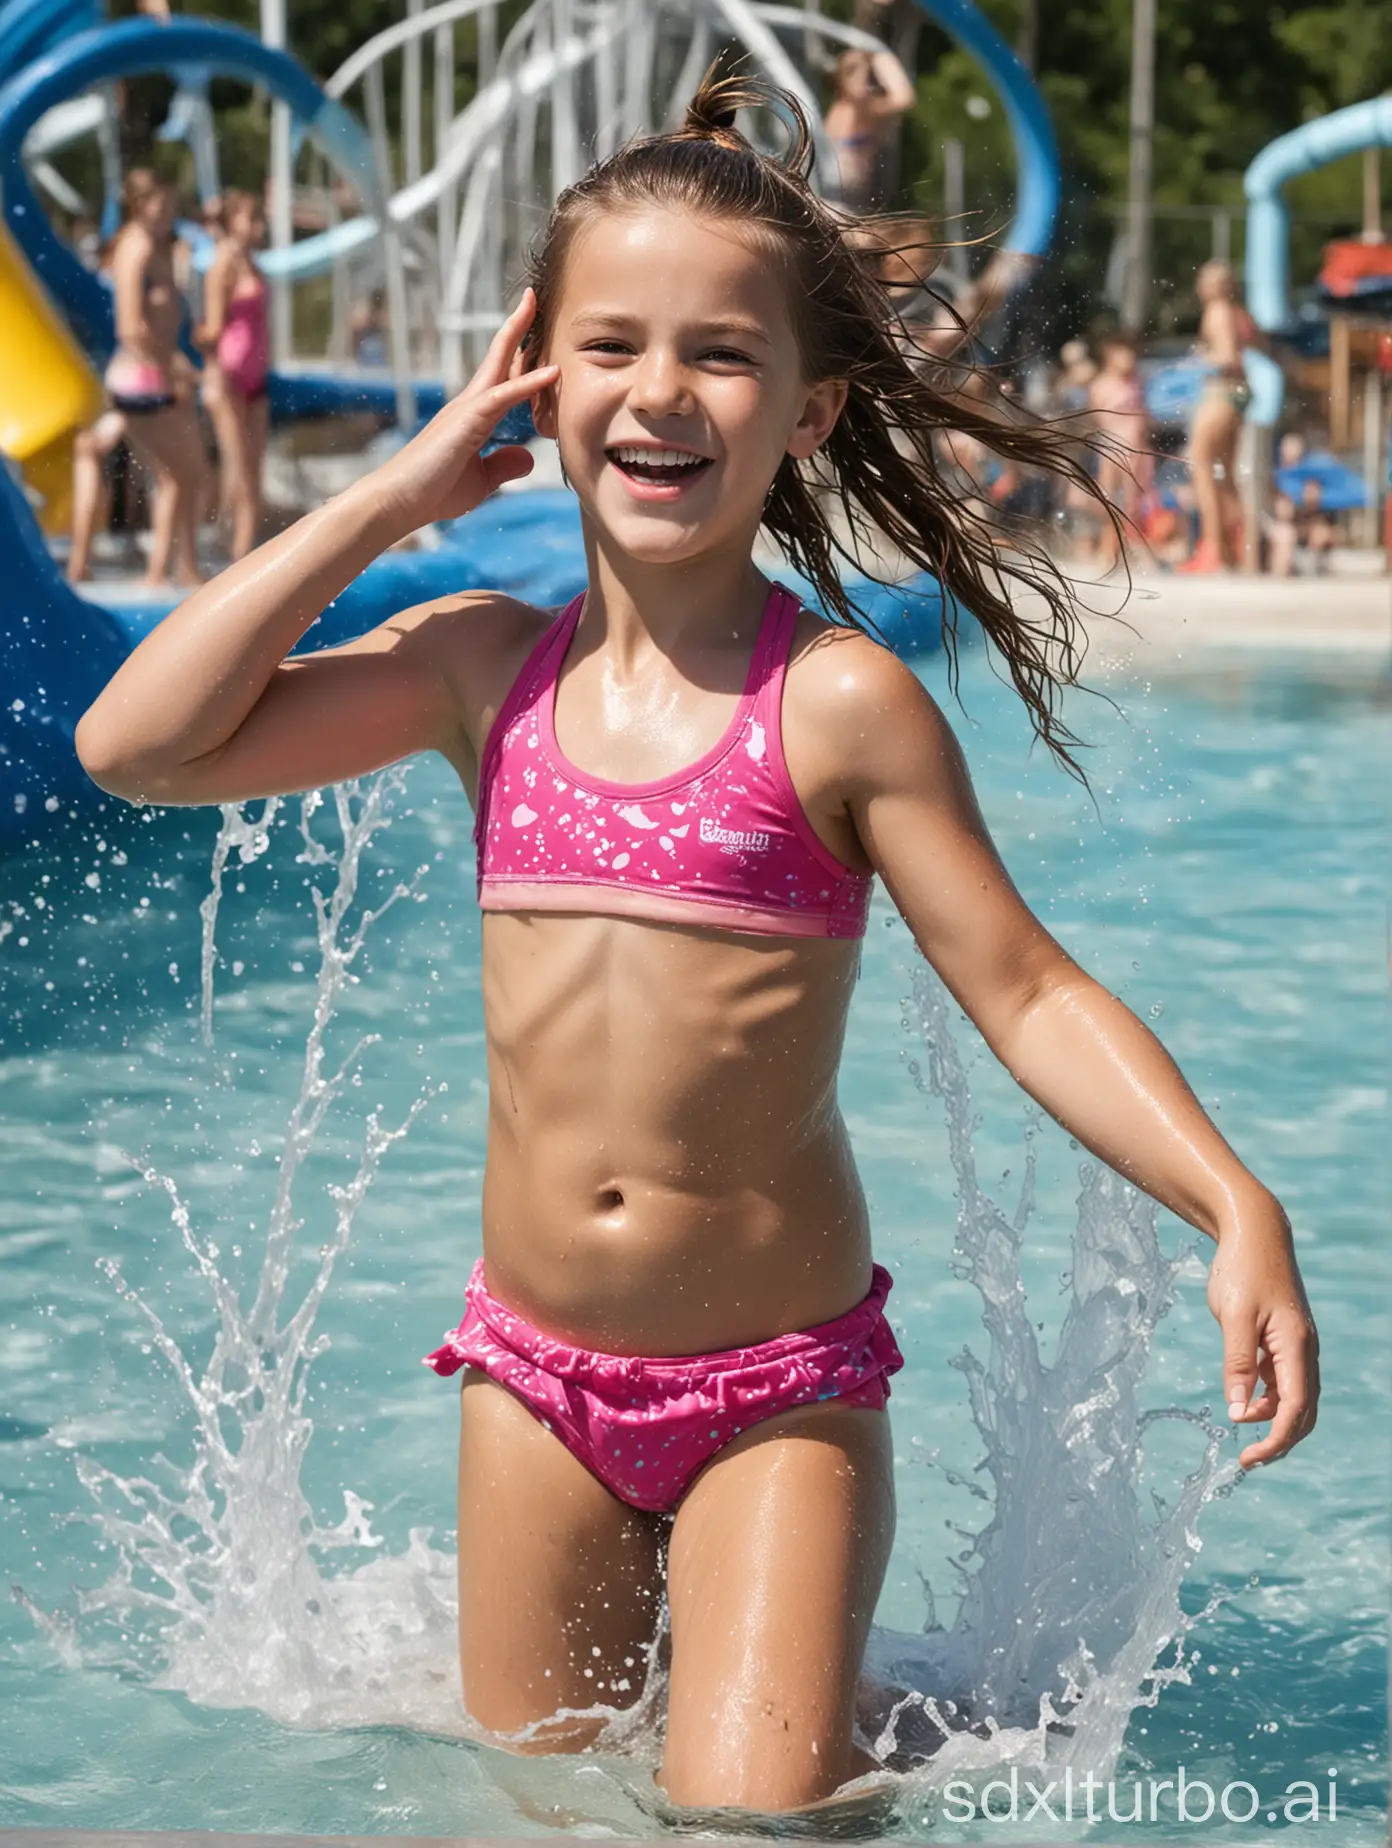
{"x": 668, "y": 1171}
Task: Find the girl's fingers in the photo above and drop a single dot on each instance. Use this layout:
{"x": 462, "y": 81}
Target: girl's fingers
{"x": 505, "y": 344}
{"x": 1294, "y": 1359}
{"x": 1239, "y": 1360}
{"x": 490, "y": 403}
{"x": 509, "y": 463}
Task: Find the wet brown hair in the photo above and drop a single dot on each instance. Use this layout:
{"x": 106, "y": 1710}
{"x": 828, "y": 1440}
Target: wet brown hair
{"x": 880, "y": 462}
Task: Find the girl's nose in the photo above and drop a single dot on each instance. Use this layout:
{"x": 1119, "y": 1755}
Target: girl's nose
{"x": 661, "y": 388}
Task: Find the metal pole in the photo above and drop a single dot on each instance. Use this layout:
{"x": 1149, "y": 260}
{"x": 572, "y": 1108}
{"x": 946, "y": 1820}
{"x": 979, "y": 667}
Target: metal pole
{"x": 1027, "y": 44}
{"x": 444, "y": 114}
{"x": 282, "y": 217}
{"x": 1340, "y": 366}
{"x": 1372, "y": 195}
{"x": 411, "y": 98}
{"x": 398, "y": 311}
{"x": 812, "y": 41}
{"x": 1136, "y": 294}
{"x": 1372, "y": 453}
{"x": 565, "y": 146}
{"x": 955, "y": 205}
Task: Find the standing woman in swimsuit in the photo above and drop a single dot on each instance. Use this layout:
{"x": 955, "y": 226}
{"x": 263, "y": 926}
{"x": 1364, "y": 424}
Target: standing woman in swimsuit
{"x": 235, "y": 340}
{"x": 872, "y": 91}
{"x": 674, "y": 1352}
{"x": 150, "y": 389}
{"x": 1225, "y": 328}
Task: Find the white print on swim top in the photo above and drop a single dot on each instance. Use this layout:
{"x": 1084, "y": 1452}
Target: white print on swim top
{"x": 733, "y": 840}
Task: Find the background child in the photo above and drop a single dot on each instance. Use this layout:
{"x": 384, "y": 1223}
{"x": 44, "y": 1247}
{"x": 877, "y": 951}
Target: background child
{"x": 1125, "y": 466}
{"x": 235, "y": 336}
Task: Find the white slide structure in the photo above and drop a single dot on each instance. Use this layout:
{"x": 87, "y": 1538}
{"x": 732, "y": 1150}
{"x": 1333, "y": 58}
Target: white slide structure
{"x": 570, "y": 82}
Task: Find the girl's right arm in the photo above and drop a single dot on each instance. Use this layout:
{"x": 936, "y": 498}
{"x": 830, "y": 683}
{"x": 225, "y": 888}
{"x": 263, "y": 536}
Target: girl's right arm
{"x": 216, "y": 288}
{"x": 897, "y": 93}
{"x": 208, "y": 708}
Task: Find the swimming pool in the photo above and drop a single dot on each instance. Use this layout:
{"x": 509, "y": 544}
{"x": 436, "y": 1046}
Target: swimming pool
{"x": 1229, "y": 889}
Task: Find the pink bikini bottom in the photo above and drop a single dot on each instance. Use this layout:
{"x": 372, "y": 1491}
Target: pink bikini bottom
{"x": 645, "y": 1428}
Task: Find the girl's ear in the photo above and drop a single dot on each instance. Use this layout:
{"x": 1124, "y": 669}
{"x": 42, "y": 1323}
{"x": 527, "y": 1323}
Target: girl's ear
{"x": 825, "y": 403}
{"x": 544, "y": 411}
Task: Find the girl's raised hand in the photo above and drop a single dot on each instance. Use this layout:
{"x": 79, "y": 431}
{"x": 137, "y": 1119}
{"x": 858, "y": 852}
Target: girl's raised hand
{"x": 439, "y": 474}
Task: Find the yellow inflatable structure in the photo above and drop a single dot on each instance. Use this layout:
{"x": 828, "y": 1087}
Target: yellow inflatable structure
{"x": 48, "y": 389}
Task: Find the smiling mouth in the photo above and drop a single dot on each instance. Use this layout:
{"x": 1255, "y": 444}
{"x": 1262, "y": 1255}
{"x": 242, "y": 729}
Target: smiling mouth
{"x": 661, "y": 467}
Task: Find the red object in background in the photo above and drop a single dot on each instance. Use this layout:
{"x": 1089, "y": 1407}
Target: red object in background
{"x": 1384, "y": 352}
{"x": 1350, "y": 266}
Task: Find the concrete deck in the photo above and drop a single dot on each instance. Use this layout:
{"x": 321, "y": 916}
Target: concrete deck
{"x": 1167, "y": 621}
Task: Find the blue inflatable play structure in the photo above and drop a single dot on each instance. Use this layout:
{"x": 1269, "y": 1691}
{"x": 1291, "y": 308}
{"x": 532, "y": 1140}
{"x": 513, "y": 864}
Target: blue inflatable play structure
{"x": 58, "y": 648}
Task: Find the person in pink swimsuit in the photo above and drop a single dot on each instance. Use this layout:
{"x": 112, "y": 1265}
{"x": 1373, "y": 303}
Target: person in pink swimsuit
{"x": 235, "y": 340}
{"x": 674, "y": 1353}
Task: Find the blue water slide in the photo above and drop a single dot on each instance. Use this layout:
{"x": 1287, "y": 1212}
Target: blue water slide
{"x": 29, "y": 28}
{"x": 126, "y": 49}
{"x": 1313, "y": 144}
{"x": 1036, "y": 149}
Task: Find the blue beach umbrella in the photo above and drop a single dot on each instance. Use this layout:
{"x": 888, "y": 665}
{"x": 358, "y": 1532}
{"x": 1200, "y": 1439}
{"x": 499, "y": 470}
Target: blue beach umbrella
{"x": 1340, "y": 487}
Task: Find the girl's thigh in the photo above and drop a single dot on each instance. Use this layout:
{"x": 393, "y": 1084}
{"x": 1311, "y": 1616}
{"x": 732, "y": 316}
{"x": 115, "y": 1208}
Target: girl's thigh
{"x": 258, "y": 428}
{"x": 1215, "y": 425}
{"x": 559, "y": 1581}
{"x": 169, "y": 442}
{"x": 776, "y": 1561}
{"x": 227, "y": 427}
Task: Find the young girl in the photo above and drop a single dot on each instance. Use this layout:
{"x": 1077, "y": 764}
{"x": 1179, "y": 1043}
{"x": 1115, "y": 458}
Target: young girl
{"x": 674, "y": 1350}
{"x": 235, "y": 338}
{"x": 1125, "y": 467}
{"x": 1225, "y": 329}
{"x": 149, "y": 385}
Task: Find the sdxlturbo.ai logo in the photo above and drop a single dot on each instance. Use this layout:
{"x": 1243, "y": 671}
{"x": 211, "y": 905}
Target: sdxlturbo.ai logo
{"x": 1141, "y": 1799}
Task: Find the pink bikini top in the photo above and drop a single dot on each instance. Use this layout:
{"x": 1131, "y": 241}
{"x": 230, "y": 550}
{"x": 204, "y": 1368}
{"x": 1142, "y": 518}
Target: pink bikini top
{"x": 724, "y": 843}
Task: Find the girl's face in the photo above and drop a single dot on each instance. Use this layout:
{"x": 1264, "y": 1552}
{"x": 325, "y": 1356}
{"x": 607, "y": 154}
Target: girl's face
{"x": 248, "y": 227}
{"x": 156, "y": 211}
{"x": 681, "y": 386}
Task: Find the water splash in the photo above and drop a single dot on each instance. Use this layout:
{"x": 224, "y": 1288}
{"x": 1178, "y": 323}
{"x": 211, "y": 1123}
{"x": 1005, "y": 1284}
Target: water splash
{"x": 1069, "y": 1615}
{"x": 219, "y": 1563}
{"x": 250, "y": 839}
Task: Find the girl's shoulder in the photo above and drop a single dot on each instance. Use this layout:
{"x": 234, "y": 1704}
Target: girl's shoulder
{"x": 839, "y": 676}
{"x": 855, "y": 717}
{"x": 478, "y": 641}
{"x": 132, "y": 245}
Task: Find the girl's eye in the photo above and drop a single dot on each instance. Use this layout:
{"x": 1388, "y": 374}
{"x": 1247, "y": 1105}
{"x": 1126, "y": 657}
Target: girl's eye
{"x": 727, "y": 356}
{"x": 606, "y": 346}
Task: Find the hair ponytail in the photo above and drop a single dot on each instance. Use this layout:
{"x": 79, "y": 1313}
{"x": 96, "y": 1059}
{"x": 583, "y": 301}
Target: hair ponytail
{"x": 881, "y": 461}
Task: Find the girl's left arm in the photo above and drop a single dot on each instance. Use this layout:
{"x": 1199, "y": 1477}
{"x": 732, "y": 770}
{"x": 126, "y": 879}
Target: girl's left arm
{"x": 1078, "y": 1050}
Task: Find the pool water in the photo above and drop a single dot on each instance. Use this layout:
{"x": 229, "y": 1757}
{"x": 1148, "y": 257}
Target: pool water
{"x": 1227, "y": 883}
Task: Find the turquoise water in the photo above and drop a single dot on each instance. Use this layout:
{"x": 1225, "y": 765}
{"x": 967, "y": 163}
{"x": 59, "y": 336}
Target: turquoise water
{"x": 1228, "y": 884}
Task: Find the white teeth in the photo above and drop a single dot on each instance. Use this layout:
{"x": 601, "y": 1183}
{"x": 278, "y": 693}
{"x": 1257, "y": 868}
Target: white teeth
{"x": 632, "y": 456}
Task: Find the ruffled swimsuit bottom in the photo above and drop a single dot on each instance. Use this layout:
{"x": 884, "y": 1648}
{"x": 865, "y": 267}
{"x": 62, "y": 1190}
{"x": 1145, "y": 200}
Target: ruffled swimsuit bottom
{"x": 646, "y": 1428}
